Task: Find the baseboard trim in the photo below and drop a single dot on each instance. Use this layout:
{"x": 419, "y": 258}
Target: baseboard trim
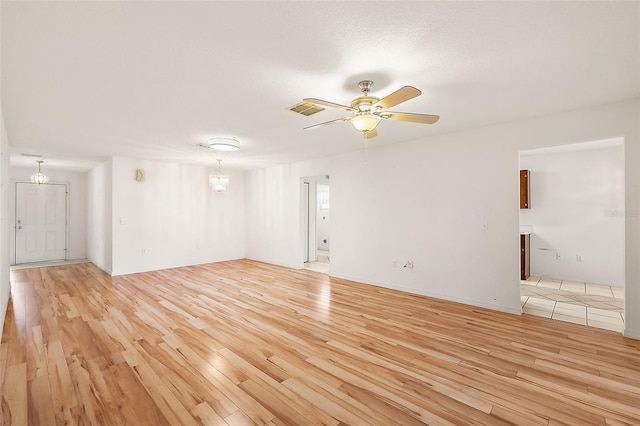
{"x": 631, "y": 334}
{"x": 470, "y": 302}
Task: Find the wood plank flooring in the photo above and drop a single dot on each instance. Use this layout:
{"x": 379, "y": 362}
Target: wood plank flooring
{"x": 242, "y": 342}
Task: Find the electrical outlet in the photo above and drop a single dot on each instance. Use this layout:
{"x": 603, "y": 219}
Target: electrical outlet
{"x": 395, "y": 264}
{"x": 144, "y": 252}
{"x": 485, "y": 226}
{"x": 558, "y": 256}
{"x": 578, "y": 258}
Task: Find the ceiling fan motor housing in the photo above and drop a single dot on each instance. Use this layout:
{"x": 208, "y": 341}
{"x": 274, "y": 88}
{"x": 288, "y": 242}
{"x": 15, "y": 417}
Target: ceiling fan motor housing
{"x": 364, "y": 103}
{"x": 365, "y": 86}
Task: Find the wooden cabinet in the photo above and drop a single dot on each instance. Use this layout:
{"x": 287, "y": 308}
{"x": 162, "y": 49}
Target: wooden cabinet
{"x": 525, "y": 246}
{"x": 524, "y": 189}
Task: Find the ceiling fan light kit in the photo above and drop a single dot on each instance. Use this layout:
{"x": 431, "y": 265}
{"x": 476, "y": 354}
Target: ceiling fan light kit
{"x": 365, "y": 122}
{"x": 368, "y": 111}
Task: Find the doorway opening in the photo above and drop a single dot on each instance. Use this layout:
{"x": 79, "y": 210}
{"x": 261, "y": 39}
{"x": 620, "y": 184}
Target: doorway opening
{"x": 316, "y": 221}
{"x": 572, "y": 233}
{"x": 41, "y": 222}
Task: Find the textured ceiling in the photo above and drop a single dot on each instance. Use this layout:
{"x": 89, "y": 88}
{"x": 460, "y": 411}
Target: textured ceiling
{"x": 82, "y": 81}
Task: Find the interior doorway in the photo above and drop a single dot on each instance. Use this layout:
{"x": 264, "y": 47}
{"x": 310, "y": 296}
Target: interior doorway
{"x": 41, "y": 222}
{"x": 316, "y": 221}
{"x": 574, "y": 223}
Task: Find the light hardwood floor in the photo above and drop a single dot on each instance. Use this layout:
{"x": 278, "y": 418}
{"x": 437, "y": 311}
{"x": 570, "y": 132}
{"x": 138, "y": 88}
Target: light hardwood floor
{"x": 244, "y": 342}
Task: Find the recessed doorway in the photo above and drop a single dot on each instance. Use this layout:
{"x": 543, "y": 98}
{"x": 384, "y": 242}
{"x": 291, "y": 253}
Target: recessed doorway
{"x": 41, "y": 222}
{"x": 575, "y": 223}
{"x": 316, "y": 223}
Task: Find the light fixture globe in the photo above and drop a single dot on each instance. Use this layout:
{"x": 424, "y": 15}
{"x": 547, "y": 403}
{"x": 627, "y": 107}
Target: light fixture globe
{"x": 39, "y": 178}
{"x": 224, "y": 144}
{"x": 365, "y": 122}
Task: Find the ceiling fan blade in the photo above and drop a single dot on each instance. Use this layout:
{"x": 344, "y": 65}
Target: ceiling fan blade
{"x": 328, "y": 104}
{"x": 397, "y": 97}
{"x": 371, "y": 133}
{"x": 326, "y": 122}
{"x": 412, "y": 117}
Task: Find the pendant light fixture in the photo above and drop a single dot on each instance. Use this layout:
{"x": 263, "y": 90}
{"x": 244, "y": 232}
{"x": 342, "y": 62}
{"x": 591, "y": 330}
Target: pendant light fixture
{"x": 219, "y": 181}
{"x": 39, "y": 178}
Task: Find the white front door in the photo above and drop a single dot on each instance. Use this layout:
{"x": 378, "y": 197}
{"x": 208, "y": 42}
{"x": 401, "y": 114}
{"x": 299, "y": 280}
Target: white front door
{"x": 41, "y": 222}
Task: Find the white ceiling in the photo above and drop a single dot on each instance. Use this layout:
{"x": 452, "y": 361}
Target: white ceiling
{"x": 82, "y": 81}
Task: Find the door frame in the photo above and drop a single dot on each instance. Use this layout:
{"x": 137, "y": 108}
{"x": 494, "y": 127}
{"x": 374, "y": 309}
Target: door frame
{"x": 308, "y": 198}
{"x": 308, "y": 216}
{"x": 305, "y": 219}
{"x": 14, "y": 187}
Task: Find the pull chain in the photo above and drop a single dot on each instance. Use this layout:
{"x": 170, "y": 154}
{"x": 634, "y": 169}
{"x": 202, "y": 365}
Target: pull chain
{"x": 366, "y": 144}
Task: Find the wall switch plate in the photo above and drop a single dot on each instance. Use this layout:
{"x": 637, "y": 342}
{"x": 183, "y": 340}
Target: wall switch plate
{"x": 558, "y": 256}
{"x": 485, "y": 226}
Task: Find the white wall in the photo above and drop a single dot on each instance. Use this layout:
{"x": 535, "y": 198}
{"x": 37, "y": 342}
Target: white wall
{"x": 429, "y": 205}
{"x": 274, "y": 212}
{"x": 425, "y": 202}
{"x": 99, "y": 216}
{"x": 173, "y": 218}
{"x": 77, "y": 204}
{"x": 5, "y": 285}
{"x": 577, "y": 206}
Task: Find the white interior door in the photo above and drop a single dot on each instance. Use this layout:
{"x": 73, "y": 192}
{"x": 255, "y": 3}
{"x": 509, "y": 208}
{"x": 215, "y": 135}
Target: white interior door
{"x": 41, "y": 222}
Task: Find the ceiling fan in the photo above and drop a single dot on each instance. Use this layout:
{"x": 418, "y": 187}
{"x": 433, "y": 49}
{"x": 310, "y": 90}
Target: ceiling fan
{"x": 367, "y": 111}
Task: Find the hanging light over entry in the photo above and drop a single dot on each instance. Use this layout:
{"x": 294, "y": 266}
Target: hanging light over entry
{"x": 39, "y": 178}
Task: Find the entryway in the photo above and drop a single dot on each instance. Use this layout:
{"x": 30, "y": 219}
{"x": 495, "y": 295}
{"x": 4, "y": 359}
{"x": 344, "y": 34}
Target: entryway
{"x": 575, "y": 224}
{"x": 41, "y": 222}
{"x": 316, "y": 220}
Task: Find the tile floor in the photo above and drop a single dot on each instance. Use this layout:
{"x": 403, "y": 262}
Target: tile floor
{"x": 322, "y": 265}
{"x": 581, "y": 303}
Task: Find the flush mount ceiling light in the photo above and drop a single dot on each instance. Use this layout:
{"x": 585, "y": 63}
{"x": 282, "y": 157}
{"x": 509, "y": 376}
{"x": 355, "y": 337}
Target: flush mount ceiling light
{"x": 219, "y": 181}
{"x": 39, "y": 178}
{"x": 224, "y": 144}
